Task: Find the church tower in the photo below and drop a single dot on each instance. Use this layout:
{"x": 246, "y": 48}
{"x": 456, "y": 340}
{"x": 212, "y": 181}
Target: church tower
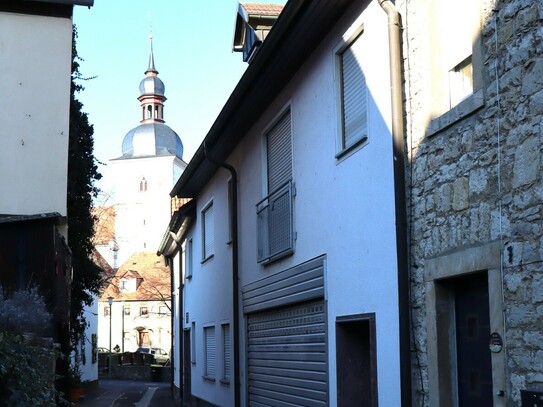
{"x": 151, "y": 163}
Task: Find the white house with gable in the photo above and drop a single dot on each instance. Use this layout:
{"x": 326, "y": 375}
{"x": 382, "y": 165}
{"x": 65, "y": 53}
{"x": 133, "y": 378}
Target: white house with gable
{"x": 293, "y": 281}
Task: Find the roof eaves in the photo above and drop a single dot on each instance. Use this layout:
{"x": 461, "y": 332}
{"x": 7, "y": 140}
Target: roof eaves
{"x": 267, "y": 52}
{"x": 176, "y": 230}
{"x": 25, "y": 218}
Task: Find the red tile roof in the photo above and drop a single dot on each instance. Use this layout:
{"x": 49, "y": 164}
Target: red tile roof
{"x": 155, "y": 279}
{"x": 262, "y": 9}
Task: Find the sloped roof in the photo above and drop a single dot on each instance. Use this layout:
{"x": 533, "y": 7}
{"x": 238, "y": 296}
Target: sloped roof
{"x": 99, "y": 260}
{"x": 262, "y": 9}
{"x": 155, "y": 279}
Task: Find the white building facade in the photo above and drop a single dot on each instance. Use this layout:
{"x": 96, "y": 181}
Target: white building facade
{"x": 291, "y": 259}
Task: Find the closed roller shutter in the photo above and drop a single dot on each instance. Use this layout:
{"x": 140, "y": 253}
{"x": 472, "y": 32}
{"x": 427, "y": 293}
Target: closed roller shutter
{"x": 279, "y": 153}
{"x": 287, "y": 356}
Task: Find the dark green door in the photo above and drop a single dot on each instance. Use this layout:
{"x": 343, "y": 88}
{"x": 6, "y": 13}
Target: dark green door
{"x": 472, "y": 339}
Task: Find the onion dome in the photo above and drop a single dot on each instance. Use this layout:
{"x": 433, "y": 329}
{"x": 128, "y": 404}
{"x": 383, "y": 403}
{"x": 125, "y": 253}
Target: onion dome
{"x": 152, "y": 137}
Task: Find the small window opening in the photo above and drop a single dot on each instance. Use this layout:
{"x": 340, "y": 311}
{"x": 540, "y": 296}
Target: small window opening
{"x": 461, "y": 81}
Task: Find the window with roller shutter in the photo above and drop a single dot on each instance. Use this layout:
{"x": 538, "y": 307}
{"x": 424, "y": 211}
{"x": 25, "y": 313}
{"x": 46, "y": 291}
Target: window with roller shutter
{"x": 210, "y": 353}
{"x": 226, "y": 353}
{"x": 353, "y": 95}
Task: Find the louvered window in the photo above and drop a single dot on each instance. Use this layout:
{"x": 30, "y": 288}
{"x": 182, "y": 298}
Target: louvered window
{"x": 226, "y": 352}
{"x": 353, "y": 95}
{"x": 210, "y": 352}
{"x": 274, "y": 212}
{"x": 208, "y": 246}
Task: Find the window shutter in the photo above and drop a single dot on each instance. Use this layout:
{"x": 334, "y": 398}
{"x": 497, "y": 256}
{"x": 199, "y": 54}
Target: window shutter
{"x": 209, "y": 339}
{"x": 354, "y": 95}
{"x": 279, "y": 153}
{"x": 226, "y": 351}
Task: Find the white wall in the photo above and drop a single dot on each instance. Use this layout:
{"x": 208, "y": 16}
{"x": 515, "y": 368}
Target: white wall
{"x": 35, "y": 112}
{"x": 208, "y": 294}
{"x": 343, "y": 208}
{"x": 159, "y": 325}
{"x": 89, "y": 370}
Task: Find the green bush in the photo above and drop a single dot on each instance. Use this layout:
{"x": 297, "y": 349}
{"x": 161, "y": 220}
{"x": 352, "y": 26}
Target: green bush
{"x": 27, "y": 365}
{"x": 26, "y": 375}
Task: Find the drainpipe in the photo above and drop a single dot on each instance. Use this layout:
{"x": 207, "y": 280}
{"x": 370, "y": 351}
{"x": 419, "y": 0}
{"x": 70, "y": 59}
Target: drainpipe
{"x": 181, "y": 339}
{"x": 235, "y": 273}
{"x": 398, "y": 148}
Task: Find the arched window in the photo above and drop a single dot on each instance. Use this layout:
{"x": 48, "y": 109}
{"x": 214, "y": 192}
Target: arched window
{"x": 143, "y": 185}
{"x": 149, "y": 111}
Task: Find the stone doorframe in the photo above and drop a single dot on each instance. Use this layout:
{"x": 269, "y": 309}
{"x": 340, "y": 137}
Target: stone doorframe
{"x": 441, "y": 349}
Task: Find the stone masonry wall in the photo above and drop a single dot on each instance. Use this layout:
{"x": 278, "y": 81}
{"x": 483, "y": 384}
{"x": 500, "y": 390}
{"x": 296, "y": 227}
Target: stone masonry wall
{"x": 479, "y": 179}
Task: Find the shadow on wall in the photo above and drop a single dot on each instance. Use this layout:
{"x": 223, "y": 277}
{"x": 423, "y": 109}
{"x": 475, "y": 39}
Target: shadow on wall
{"x": 473, "y": 135}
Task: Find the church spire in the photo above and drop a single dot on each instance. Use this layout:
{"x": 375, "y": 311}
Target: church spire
{"x": 152, "y": 92}
{"x": 151, "y": 69}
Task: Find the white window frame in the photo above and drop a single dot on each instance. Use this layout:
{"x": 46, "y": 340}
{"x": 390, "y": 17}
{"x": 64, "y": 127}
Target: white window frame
{"x": 455, "y": 95}
{"x": 352, "y": 44}
{"x": 208, "y": 250}
{"x": 210, "y": 352}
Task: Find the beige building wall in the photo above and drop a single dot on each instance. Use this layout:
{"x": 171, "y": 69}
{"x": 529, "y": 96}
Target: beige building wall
{"x": 35, "y": 113}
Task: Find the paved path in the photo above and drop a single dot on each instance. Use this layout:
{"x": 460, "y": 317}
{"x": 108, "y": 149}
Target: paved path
{"x": 124, "y": 393}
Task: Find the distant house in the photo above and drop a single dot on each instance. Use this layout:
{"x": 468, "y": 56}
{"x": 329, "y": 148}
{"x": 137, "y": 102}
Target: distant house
{"x": 141, "y": 312}
{"x": 293, "y": 263}
{"x": 34, "y": 154}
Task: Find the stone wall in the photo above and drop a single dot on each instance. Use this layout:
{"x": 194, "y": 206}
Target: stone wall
{"x": 477, "y": 178}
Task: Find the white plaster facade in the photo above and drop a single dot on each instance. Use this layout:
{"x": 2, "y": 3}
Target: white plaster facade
{"x": 89, "y": 369}
{"x": 157, "y": 323}
{"x": 343, "y": 213}
{"x": 35, "y": 119}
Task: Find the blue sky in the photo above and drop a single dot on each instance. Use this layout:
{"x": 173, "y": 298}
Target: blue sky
{"x": 193, "y": 54}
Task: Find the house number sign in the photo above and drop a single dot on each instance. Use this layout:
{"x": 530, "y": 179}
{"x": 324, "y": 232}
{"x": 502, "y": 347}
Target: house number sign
{"x": 496, "y": 342}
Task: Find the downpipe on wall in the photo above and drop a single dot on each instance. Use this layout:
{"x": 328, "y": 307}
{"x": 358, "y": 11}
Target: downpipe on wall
{"x": 398, "y": 148}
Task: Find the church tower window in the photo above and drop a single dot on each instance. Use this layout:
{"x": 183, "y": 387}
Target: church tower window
{"x": 143, "y": 185}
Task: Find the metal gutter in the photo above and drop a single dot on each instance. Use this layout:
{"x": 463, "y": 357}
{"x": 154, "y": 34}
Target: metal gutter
{"x": 398, "y": 149}
{"x": 87, "y": 3}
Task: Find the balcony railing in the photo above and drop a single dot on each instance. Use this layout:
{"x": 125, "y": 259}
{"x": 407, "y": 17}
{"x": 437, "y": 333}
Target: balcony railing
{"x": 274, "y": 224}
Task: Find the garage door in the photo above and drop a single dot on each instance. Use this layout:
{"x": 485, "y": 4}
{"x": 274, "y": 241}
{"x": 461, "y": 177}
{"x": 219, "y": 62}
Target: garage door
{"x": 287, "y": 356}
{"x": 286, "y": 338}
